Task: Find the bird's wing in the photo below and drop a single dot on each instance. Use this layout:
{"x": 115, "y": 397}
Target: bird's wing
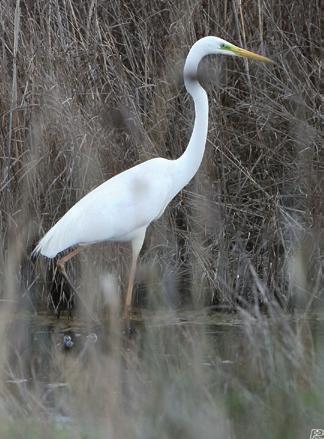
{"x": 114, "y": 210}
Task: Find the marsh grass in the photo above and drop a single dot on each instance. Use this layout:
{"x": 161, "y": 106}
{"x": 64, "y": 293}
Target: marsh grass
{"x": 89, "y": 89}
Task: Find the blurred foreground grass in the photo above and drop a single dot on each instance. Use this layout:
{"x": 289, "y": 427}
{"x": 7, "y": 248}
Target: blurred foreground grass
{"x": 187, "y": 374}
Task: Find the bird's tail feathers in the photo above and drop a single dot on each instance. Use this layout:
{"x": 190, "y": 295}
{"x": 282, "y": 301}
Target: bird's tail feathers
{"x": 47, "y": 246}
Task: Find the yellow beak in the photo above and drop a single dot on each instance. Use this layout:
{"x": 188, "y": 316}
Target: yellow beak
{"x": 247, "y": 54}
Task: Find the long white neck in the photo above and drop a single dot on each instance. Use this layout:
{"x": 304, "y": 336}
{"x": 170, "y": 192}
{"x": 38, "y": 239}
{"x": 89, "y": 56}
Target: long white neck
{"x": 188, "y": 163}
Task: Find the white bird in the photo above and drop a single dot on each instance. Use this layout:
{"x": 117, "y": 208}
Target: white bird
{"x": 122, "y": 208}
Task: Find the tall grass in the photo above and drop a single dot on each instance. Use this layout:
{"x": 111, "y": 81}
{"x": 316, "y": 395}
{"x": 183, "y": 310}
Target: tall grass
{"x": 89, "y": 89}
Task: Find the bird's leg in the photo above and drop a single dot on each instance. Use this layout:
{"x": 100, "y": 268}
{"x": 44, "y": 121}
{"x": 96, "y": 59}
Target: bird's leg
{"x": 137, "y": 244}
{"x": 61, "y": 265}
{"x": 129, "y": 293}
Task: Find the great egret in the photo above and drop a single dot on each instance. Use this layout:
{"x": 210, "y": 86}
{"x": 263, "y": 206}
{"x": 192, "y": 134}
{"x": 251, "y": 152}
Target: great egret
{"x": 122, "y": 208}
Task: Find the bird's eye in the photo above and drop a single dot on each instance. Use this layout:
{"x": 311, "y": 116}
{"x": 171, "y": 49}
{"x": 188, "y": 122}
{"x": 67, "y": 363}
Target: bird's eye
{"x": 224, "y": 46}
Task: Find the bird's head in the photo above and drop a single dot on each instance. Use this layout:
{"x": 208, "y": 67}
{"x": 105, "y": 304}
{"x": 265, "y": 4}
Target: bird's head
{"x": 218, "y": 46}
{"x": 215, "y": 46}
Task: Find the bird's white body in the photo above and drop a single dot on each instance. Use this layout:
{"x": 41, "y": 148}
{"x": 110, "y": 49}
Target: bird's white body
{"x": 141, "y": 193}
{"x": 122, "y": 208}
